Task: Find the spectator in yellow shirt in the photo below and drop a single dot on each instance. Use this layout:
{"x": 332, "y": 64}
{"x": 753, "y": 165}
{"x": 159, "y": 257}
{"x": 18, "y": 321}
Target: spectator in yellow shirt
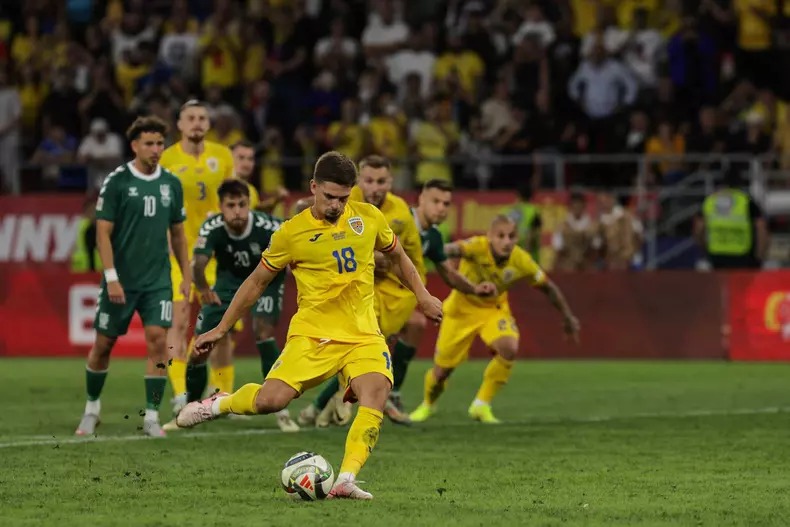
{"x": 347, "y": 136}
{"x": 466, "y": 63}
{"x": 433, "y": 140}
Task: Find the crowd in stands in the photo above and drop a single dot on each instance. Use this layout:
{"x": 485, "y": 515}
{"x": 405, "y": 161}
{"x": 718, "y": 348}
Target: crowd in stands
{"x": 444, "y": 87}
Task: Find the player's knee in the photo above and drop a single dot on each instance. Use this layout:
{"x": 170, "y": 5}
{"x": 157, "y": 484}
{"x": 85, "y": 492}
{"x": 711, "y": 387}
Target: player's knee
{"x": 263, "y": 330}
{"x": 508, "y": 351}
{"x": 441, "y": 374}
{"x": 372, "y": 391}
{"x": 269, "y": 403}
{"x": 156, "y": 341}
{"x": 103, "y": 346}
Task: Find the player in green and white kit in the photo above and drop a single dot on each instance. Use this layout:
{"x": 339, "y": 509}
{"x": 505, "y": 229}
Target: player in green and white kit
{"x": 432, "y": 208}
{"x": 139, "y": 204}
{"x": 236, "y": 238}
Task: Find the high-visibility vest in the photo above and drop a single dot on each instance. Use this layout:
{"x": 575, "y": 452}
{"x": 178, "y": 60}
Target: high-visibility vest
{"x": 728, "y": 223}
{"x": 80, "y": 257}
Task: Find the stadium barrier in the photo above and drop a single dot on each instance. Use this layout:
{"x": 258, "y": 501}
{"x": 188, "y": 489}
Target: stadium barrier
{"x": 46, "y": 310}
{"x": 663, "y": 315}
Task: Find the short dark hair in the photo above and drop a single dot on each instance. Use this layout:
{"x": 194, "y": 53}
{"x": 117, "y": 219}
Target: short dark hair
{"x": 149, "y": 123}
{"x": 233, "y": 188}
{"x": 191, "y": 103}
{"x": 440, "y": 184}
{"x": 375, "y": 161}
{"x": 242, "y": 144}
{"x": 334, "y": 167}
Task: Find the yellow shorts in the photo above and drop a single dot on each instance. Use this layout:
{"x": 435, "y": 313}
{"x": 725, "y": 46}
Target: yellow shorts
{"x": 393, "y": 310}
{"x": 458, "y": 331}
{"x": 307, "y": 362}
{"x": 176, "y": 278}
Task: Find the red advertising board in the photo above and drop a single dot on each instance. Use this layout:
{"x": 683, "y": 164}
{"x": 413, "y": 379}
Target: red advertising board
{"x": 45, "y": 310}
{"x": 759, "y": 314}
{"x": 50, "y": 312}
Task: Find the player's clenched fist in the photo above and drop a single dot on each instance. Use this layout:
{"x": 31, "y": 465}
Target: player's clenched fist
{"x": 485, "y": 289}
{"x": 115, "y": 292}
{"x": 205, "y": 342}
{"x": 431, "y": 307}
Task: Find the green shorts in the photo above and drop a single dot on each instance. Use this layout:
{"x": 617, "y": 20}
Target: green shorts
{"x": 155, "y": 308}
{"x": 267, "y": 307}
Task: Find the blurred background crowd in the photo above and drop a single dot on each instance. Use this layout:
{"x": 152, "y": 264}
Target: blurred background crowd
{"x": 480, "y": 92}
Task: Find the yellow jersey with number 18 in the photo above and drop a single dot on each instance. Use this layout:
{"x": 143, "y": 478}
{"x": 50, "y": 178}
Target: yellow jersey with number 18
{"x": 478, "y": 265}
{"x": 200, "y": 177}
{"x": 333, "y": 267}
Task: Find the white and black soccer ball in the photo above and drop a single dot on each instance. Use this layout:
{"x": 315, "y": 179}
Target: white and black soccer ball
{"x": 308, "y": 476}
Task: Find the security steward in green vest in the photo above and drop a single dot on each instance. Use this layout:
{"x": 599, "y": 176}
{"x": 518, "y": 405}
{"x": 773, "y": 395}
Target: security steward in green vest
{"x": 527, "y": 219}
{"x": 85, "y": 256}
{"x": 731, "y": 227}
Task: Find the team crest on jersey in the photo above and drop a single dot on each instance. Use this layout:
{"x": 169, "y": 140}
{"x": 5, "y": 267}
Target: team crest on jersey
{"x": 212, "y": 164}
{"x": 357, "y": 225}
{"x": 165, "y": 191}
{"x": 508, "y": 274}
{"x": 396, "y": 226}
{"x": 255, "y": 248}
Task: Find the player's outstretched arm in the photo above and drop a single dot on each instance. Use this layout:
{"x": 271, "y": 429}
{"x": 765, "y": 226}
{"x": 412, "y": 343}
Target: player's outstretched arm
{"x": 249, "y": 292}
{"x": 431, "y": 306}
{"x": 207, "y": 295}
{"x": 104, "y": 245}
{"x": 178, "y": 240}
{"x": 454, "y": 250}
{"x": 456, "y": 280}
{"x": 571, "y": 323}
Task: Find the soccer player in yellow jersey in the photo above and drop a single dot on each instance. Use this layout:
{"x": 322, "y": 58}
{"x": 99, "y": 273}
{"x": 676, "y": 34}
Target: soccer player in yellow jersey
{"x": 201, "y": 166}
{"x": 244, "y": 165}
{"x": 330, "y": 248}
{"x": 497, "y": 259}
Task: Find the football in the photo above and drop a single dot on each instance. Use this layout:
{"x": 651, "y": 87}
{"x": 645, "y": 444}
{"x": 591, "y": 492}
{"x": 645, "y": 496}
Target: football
{"x": 308, "y": 476}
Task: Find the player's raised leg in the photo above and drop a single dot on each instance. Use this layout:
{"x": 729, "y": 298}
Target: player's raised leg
{"x": 222, "y": 376}
{"x": 95, "y": 374}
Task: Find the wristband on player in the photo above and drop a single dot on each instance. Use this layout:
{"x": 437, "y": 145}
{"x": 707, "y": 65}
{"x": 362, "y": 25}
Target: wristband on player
{"x": 111, "y": 275}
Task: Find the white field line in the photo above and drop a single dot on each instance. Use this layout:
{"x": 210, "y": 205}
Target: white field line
{"x": 533, "y": 420}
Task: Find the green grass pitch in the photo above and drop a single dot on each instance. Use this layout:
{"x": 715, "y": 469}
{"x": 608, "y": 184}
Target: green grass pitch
{"x": 585, "y": 443}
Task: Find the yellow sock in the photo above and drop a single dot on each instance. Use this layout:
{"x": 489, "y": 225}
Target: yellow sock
{"x": 242, "y": 401}
{"x": 222, "y": 378}
{"x": 177, "y": 371}
{"x": 361, "y": 439}
{"x": 433, "y": 388}
{"x": 494, "y": 378}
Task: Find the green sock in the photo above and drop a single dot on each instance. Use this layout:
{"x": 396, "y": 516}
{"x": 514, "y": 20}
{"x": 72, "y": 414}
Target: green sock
{"x": 269, "y": 352}
{"x": 94, "y": 382}
{"x": 330, "y": 388}
{"x": 401, "y": 357}
{"x": 197, "y": 379}
{"x": 154, "y": 390}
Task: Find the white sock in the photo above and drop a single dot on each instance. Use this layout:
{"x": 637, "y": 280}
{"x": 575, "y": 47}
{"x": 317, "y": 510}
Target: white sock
{"x": 395, "y": 393}
{"x": 151, "y": 415}
{"x": 93, "y": 407}
{"x": 180, "y": 400}
{"x": 345, "y": 476}
{"x": 283, "y": 413}
{"x": 478, "y": 402}
{"x": 215, "y": 406}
